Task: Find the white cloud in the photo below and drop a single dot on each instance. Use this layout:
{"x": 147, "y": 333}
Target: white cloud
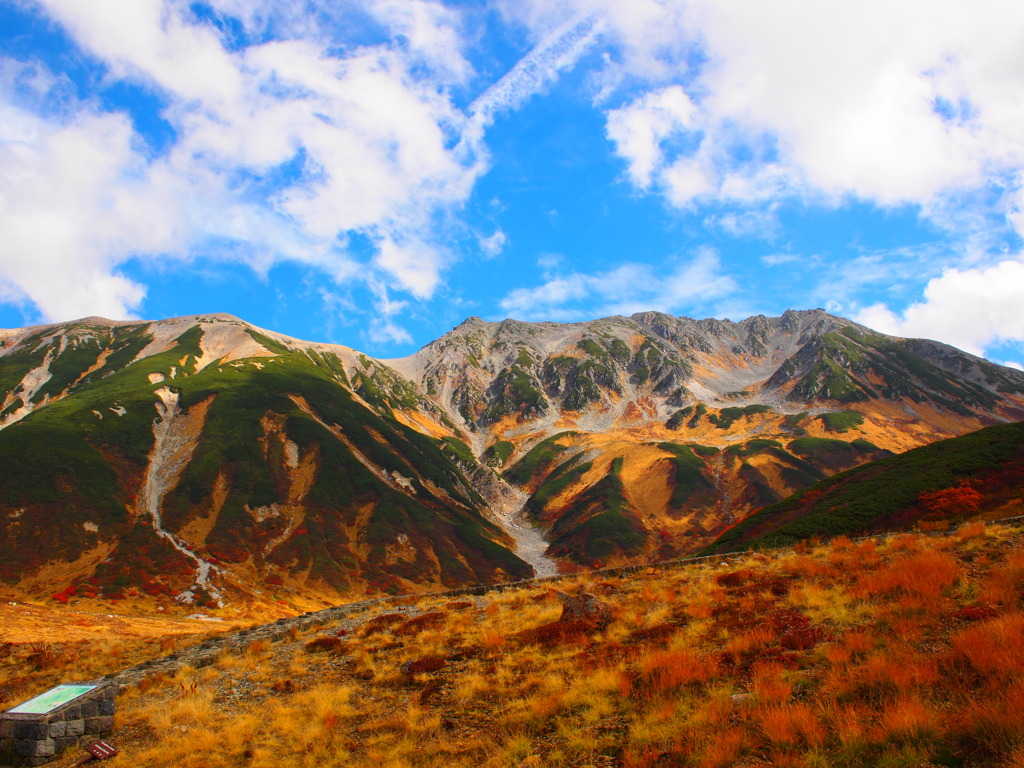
{"x": 367, "y": 132}
{"x": 559, "y": 50}
{"x": 624, "y": 290}
{"x": 890, "y": 102}
{"x": 779, "y": 259}
{"x": 763, "y": 224}
{"x": 640, "y": 129}
{"x": 549, "y": 262}
{"x": 672, "y": 145}
{"x": 383, "y": 328}
{"x": 1016, "y": 212}
{"x": 415, "y": 264}
{"x": 69, "y": 199}
{"x": 433, "y": 32}
{"x": 971, "y": 309}
{"x": 283, "y": 148}
{"x": 492, "y": 245}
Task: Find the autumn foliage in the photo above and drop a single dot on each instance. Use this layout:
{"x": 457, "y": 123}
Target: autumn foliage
{"x": 959, "y": 501}
{"x": 904, "y": 651}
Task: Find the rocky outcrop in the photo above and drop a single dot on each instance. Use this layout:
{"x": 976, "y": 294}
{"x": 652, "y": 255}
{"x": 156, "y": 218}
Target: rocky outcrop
{"x": 282, "y": 466}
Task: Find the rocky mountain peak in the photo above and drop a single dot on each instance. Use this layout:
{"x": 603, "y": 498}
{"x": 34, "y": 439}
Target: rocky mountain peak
{"x": 485, "y": 373}
{"x": 630, "y": 435}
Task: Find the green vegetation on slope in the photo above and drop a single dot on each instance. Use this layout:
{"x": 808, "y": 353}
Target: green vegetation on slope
{"x": 884, "y": 492}
{"x": 498, "y": 454}
{"x": 85, "y": 462}
{"x": 691, "y": 485}
{"x": 841, "y": 421}
{"x": 538, "y": 459}
{"x": 562, "y": 477}
{"x": 84, "y": 456}
{"x": 599, "y": 523}
{"x": 726, "y": 416}
{"x": 515, "y": 391}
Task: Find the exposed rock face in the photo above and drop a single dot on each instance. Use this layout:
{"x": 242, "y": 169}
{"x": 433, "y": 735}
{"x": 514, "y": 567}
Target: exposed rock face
{"x": 645, "y": 436}
{"x": 277, "y": 464}
{"x": 483, "y": 374}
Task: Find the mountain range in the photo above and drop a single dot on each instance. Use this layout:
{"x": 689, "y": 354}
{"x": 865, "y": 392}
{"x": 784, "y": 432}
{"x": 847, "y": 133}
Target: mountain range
{"x": 205, "y": 461}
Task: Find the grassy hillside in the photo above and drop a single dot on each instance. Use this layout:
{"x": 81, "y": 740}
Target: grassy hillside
{"x": 901, "y": 652}
{"x": 288, "y": 475}
{"x": 855, "y": 365}
{"x": 597, "y": 525}
{"x": 951, "y": 479}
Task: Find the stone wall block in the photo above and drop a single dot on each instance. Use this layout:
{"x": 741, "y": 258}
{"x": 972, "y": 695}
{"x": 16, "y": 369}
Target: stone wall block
{"x": 58, "y": 729}
{"x": 90, "y": 709}
{"x": 107, "y": 707}
{"x": 75, "y": 727}
{"x": 92, "y": 725}
{"x": 31, "y": 730}
{"x": 25, "y": 747}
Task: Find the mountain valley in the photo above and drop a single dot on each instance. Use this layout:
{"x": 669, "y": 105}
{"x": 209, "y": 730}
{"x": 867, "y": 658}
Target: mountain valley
{"x": 201, "y": 462}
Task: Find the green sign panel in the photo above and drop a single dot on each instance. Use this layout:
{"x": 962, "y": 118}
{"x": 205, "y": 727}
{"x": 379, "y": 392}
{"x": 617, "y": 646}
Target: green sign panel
{"x": 49, "y": 701}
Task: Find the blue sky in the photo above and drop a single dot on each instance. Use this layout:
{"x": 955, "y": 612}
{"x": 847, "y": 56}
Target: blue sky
{"x": 373, "y": 175}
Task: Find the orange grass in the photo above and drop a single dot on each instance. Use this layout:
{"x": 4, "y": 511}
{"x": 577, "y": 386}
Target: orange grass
{"x": 791, "y": 725}
{"x": 667, "y": 670}
{"x": 923, "y": 575}
{"x": 905, "y": 720}
{"x": 903, "y": 652}
{"x": 994, "y": 649}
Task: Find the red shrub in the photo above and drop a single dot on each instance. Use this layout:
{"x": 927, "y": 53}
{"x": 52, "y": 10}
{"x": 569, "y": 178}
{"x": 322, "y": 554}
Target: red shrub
{"x": 922, "y": 575}
{"x": 382, "y": 622}
{"x": 788, "y": 725}
{"x": 795, "y": 631}
{"x": 657, "y": 632}
{"x": 976, "y": 613}
{"x": 668, "y": 670}
{"x": 950, "y": 502}
{"x": 993, "y": 648}
{"x": 734, "y": 578}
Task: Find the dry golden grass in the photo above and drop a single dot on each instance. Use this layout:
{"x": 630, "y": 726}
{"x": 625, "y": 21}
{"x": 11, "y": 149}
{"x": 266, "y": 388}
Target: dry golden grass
{"x": 904, "y": 652}
{"x": 30, "y": 667}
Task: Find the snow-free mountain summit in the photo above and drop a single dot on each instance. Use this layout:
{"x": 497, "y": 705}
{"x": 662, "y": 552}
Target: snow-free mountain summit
{"x": 205, "y": 460}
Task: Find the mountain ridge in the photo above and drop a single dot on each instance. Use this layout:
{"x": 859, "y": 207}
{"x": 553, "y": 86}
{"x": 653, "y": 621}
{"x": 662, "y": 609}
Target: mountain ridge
{"x": 300, "y": 470}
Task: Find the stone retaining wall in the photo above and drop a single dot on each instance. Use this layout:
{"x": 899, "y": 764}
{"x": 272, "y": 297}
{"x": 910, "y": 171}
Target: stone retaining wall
{"x": 35, "y": 739}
